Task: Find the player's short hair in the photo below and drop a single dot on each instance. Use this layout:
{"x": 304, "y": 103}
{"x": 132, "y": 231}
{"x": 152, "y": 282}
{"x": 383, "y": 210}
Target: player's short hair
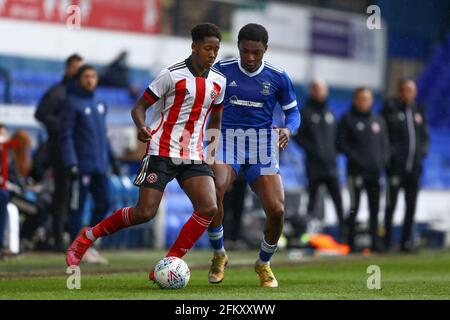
{"x": 359, "y": 90}
{"x": 403, "y": 81}
{"x": 72, "y": 58}
{"x": 204, "y": 30}
{"x": 2, "y": 126}
{"x": 253, "y": 32}
{"x": 82, "y": 69}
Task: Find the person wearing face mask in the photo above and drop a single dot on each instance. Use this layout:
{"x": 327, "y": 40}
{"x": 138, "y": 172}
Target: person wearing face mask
{"x": 362, "y": 138}
{"x": 409, "y": 139}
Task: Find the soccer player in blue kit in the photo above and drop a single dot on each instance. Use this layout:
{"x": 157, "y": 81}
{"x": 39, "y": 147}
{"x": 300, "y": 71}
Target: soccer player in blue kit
{"x": 254, "y": 88}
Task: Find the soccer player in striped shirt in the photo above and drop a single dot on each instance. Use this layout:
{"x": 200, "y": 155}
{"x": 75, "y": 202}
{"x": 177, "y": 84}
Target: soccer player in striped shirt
{"x": 254, "y": 88}
{"x": 181, "y": 99}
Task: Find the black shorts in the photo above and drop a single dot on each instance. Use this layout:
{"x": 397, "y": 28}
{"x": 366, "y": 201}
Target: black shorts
{"x": 156, "y": 172}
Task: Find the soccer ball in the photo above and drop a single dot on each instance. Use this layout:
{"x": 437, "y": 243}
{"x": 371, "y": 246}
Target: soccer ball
{"x": 172, "y": 273}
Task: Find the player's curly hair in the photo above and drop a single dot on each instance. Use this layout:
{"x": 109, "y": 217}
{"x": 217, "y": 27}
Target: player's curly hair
{"x": 253, "y": 32}
{"x": 204, "y": 30}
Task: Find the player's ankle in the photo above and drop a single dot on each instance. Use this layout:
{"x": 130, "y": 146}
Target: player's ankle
{"x": 260, "y": 262}
{"x": 220, "y": 252}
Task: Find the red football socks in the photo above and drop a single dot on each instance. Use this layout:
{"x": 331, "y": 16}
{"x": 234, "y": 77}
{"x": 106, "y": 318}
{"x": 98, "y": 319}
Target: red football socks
{"x": 118, "y": 220}
{"x": 189, "y": 234}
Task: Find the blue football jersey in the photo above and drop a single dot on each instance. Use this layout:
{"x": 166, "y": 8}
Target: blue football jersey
{"x": 250, "y": 98}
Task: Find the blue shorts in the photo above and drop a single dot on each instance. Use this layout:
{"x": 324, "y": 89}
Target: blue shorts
{"x": 253, "y": 151}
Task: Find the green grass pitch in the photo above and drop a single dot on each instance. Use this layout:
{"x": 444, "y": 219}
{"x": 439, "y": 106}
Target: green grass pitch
{"x": 42, "y": 276}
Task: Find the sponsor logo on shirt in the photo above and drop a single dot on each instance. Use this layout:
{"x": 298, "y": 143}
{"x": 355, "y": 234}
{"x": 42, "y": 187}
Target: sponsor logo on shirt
{"x": 234, "y": 100}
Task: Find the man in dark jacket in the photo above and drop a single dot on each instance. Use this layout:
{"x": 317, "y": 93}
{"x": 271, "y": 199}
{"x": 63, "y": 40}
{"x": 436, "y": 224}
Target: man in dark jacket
{"x": 362, "y": 137}
{"x": 47, "y": 113}
{"x": 86, "y": 149}
{"x": 317, "y": 135}
{"x": 117, "y": 75}
{"x": 408, "y": 135}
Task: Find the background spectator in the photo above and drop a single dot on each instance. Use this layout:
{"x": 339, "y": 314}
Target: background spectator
{"x": 48, "y": 112}
{"x": 10, "y": 181}
{"x": 86, "y": 152}
{"x": 317, "y": 135}
{"x": 117, "y": 74}
{"x": 362, "y": 137}
{"x": 409, "y": 139}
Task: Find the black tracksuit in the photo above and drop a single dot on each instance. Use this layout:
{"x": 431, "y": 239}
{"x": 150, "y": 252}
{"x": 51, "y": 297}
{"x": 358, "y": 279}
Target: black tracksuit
{"x": 233, "y": 206}
{"x": 362, "y": 137}
{"x": 47, "y": 112}
{"x": 317, "y": 135}
{"x": 409, "y": 140}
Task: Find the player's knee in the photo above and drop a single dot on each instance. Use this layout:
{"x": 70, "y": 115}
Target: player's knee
{"x": 145, "y": 213}
{"x": 276, "y": 211}
{"x": 209, "y": 210}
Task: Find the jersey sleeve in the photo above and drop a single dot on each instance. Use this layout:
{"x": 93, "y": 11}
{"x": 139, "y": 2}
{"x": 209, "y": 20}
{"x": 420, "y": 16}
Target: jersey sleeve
{"x": 287, "y": 97}
{"x": 160, "y": 85}
{"x": 218, "y": 102}
{"x": 221, "y": 96}
{"x": 217, "y": 66}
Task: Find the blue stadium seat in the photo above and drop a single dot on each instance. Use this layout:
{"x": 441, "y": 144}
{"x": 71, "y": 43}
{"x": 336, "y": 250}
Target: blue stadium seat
{"x": 173, "y": 187}
{"x": 2, "y": 91}
{"x": 115, "y": 97}
{"x": 178, "y": 203}
{"x": 117, "y": 192}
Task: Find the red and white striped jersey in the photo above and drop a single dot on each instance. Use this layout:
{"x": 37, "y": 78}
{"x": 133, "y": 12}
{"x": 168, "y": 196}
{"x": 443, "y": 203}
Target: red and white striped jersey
{"x": 184, "y": 101}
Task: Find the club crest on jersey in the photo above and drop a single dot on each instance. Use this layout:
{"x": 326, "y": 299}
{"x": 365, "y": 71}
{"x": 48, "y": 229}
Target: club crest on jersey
{"x": 376, "y": 128}
{"x": 152, "y": 178}
{"x": 418, "y": 117}
{"x": 101, "y": 108}
{"x": 265, "y": 88}
{"x": 213, "y": 94}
